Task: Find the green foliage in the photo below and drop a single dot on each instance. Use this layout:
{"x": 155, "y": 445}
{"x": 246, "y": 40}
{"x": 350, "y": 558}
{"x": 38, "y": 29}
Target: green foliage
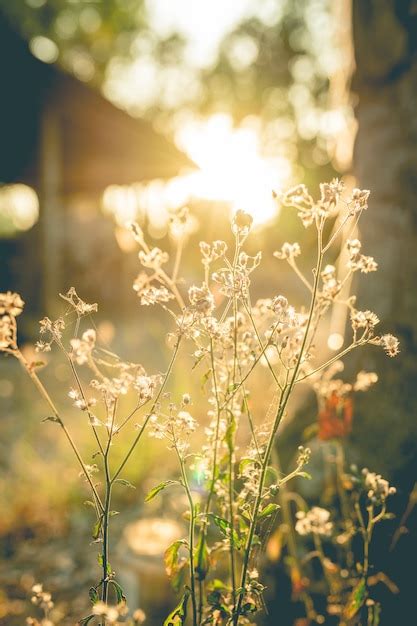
{"x": 156, "y": 490}
{"x": 178, "y": 616}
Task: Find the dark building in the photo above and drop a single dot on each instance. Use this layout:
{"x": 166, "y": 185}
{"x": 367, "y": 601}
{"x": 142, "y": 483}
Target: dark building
{"x": 67, "y": 143}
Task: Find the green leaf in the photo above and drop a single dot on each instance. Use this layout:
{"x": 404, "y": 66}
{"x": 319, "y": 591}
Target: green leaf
{"x": 216, "y": 585}
{"x": 171, "y": 556}
{"x": 93, "y": 595}
{"x": 119, "y": 591}
{"x": 268, "y": 510}
{"x": 230, "y": 433}
{"x": 50, "y": 418}
{"x": 245, "y": 462}
{"x": 305, "y": 475}
{"x": 356, "y": 600}
{"x": 36, "y": 364}
{"x": 178, "y": 616}
{"x": 97, "y": 528}
{"x": 86, "y": 620}
{"x": 125, "y": 483}
{"x": 202, "y": 558}
{"x": 205, "y": 378}
{"x": 100, "y": 562}
{"x": 224, "y": 526}
{"x": 272, "y": 473}
{"x": 154, "y": 492}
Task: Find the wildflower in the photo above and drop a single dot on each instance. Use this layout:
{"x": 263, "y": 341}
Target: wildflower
{"x": 353, "y": 246}
{"x": 181, "y": 222}
{"x": 42, "y": 346}
{"x": 6, "y": 332}
{"x": 390, "y": 344}
{"x": 357, "y": 261}
{"x": 288, "y": 251}
{"x": 315, "y": 521}
{"x": 82, "y": 348}
{"x": 249, "y": 263}
{"x": 297, "y": 196}
{"x": 155, "y": 295}
{"x": 153, "y": 259}
{"x": 54, "y": 328}
{"x": 81, "y": 307}
{"x": 139, "y": 616}
{"x": 378, "y": 488}
{"x": 11, "y": 303}
{"x": 335, "y": 418}
{"x": 241, "y": 223}
{"x": 279, "y": 305}
{"x": 186, "y": 422}
{"x": 358, "y": 201}
{"x": 145, "y": 386}
{"x": 364, "y": 380}
{"x": 304, "y": 455}
{"x": 364, "y": 319}
{"x": 201, "y": 299}
{"x": 137, "y": 233}
{"x": 330, "y": 194}
{"x": 331, "y": 286}
{"x": 111, "y": 613}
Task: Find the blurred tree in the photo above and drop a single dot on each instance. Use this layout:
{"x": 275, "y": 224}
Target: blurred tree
{"x": 385, "y": 161}
{"x": 84, "y": 36}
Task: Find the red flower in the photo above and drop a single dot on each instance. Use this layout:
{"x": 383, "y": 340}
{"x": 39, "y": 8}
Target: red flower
{"x": 335, "y": 419}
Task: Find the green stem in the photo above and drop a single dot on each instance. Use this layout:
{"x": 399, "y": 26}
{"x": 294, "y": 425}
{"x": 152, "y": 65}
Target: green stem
{"x": 58, "y": 419}
{"x": 143, "y": 427}
{"x": 190, "y": 534}
{"x": 285, "y": 395}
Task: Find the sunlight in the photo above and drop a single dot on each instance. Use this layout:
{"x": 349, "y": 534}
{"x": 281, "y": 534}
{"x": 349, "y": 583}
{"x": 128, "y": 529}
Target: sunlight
{"x": 232, "y": 171}
{"x": 232, "y": 168}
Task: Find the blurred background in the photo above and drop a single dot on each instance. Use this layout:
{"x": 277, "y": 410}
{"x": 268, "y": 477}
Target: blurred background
{"x": 119, "y": 110}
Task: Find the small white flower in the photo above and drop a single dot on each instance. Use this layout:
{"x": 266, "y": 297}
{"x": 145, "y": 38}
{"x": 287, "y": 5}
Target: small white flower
{"x": 316, "y": 521}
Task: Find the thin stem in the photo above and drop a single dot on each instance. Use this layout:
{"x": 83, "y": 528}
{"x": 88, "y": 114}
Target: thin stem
{"x": 80, "y": 387}
{"x": 294, "y": 266}
{"x": 284, "y": 397}
{"x": 58, "y": 419}
{"x": 213, "y": 476}
{"x": 190, "y": 534}
{"x": 142, "y": 429}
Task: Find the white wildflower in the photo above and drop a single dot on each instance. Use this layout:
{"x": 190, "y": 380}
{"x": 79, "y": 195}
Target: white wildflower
{"x": 11, "y": 303}
{"x": 288, "y": 251}
{"x": 316, "y": 521}
{"x": 378, "y": 488}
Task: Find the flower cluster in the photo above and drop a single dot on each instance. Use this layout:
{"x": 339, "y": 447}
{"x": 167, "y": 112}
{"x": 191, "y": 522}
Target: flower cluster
{"x": 111, "y": 613}
{"x": 378, "y": 488}
{"x": 81, "y": 349}
{"x": 77, "y": 304}
{"x": 357, "y": 261}
{"x": 315, "y": 521}
{"x": 43, "y": 600}
{"x": 11, "y": 305}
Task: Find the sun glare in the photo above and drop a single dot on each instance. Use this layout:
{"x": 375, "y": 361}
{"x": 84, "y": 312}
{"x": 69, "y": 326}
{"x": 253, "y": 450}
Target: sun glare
{"x": 232, "y": 168}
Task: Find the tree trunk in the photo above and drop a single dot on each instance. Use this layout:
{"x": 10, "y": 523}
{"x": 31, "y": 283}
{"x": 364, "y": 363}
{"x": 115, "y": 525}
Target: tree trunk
{"x": 385, "y": 161}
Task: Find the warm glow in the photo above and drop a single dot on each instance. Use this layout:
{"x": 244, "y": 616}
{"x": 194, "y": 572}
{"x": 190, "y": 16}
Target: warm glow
{"x": 232, "y": 171}
{"x": 335, "y": 341}
{"x": 19, "y": 208}
{"x": 232, "y": 168}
